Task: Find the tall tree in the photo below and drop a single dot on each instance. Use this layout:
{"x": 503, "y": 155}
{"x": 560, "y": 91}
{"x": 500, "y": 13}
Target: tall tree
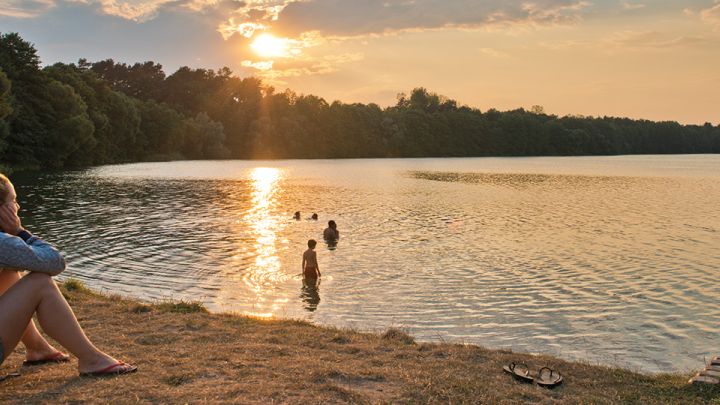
{"x": 5, "y": 109}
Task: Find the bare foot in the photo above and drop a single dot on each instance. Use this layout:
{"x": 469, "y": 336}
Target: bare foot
{"x": 49, "y": 353}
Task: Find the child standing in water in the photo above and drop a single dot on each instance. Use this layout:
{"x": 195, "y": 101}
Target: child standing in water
{"x": 309, "y": 261}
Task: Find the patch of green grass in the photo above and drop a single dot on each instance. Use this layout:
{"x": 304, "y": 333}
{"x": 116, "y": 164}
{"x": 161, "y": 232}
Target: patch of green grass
{"x": 73, "y": 284}
{"x": 182, "y": 307}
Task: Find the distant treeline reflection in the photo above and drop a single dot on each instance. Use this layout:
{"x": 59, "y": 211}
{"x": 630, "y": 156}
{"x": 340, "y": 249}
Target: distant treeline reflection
{"x": 520, "y": 180}
{"x": 106, "y": 112}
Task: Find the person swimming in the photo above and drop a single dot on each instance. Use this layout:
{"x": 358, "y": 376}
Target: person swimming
{"x": 331, "y": 233}
{"x": 296, "y": 216}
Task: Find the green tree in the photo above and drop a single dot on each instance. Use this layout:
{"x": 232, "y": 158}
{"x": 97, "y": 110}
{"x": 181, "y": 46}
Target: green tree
{"x": 161, "y": 131}
{"x": 141, "y": 80}
{"x": 204, "y": 139}
{"x": 537, "y": 109}
{"x": 5, "y": 109}
{"x": 50, "y": 121}
{"x": 68, "y": 127}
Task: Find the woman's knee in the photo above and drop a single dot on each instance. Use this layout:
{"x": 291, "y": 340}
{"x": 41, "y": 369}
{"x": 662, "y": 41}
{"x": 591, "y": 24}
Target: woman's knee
{"x": 39, "y": 280}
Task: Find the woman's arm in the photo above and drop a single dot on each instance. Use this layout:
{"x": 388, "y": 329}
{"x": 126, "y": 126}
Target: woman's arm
{"x": 20, "y": 250}
{"x": 28, "y": 252}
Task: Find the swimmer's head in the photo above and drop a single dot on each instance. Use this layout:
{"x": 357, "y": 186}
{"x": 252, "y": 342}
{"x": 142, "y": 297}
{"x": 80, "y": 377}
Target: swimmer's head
{"x": 312, "y": 243}
{"x": 314, "y": 216}
{"x": 332, "y": 224}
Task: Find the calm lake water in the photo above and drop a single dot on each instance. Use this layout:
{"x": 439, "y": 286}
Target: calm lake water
{"x": 613, "y": 260}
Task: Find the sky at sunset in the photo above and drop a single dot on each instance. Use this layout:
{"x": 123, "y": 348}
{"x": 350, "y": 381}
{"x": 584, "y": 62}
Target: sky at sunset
{"x": 653, "y": 59}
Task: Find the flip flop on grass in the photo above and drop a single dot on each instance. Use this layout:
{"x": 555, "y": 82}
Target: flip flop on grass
{"x": 11, "y": 375}
{"x": 112, "y": 370}
{"x": 57, "y": 357}
{"x": 520, "y": 371}
{"x": 548, "y": 378}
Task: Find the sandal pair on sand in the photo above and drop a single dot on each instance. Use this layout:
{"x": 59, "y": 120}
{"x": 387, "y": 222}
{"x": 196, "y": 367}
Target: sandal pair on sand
{"x": 546, "y": 377}
{"x": 711, "y": 374}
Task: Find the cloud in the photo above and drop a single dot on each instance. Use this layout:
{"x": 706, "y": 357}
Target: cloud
{"x": 636, "y": 40}
{"x": 295, "y": 62}
{"x": 253, "y": 16}
{"x": 632, "y": 6}
{"x": 347, "y": 18}
{"x": 261, "y": 65}
{"x": 134, "y": 10}
{"x": 145, "y": 10}
{"x": 199, "y": 5}
{"x": 25, "y": 8}
{"x": 246, "y": 29}
{"x": 567, "y": 44}
{"x": 712, "y": 15}
{"x": 494, "y": 53}
{"x": 306, "y": 66}
{"x": 655, "y": 40}
{"x": 138, "y": 10}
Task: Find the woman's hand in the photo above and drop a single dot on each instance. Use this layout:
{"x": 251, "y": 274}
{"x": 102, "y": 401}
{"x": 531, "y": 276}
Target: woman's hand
{"x": 9, "y": 219}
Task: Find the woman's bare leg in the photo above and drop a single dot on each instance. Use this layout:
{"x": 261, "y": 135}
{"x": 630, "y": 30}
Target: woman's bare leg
{"x": 36, "y": 347}
{"x": 37, "y": 292}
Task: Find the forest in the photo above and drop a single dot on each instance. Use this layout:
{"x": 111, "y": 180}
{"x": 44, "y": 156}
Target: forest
{"x": 92, "y": 113}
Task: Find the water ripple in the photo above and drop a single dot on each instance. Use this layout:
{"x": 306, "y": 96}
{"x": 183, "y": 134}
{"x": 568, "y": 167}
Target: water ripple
{"x": 611, "y": 260}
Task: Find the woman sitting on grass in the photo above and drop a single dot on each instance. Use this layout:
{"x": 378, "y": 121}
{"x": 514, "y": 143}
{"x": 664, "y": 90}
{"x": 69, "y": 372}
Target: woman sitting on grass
{"x": 37, "y": 293}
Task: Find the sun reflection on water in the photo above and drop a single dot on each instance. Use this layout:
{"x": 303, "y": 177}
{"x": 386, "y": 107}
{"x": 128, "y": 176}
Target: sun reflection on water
{"x": 261, "y": 277}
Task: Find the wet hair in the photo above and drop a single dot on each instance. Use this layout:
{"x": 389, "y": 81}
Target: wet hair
{"x": 332, "y": 223}
{"x": 314, "y": 216}
{"x": 312, "y": 243}
{"x": 4, "y": 187}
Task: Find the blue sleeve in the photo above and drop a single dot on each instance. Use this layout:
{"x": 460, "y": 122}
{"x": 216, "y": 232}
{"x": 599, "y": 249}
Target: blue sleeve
{"x": 28, "y": 252}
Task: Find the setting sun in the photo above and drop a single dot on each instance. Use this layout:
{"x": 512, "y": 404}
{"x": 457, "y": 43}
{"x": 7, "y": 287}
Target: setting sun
{"x": 269, "y": 46}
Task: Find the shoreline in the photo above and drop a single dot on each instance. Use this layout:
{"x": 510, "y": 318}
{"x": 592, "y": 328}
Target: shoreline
{"x": 186, "y": 354}
{"x": 9, "y": 169}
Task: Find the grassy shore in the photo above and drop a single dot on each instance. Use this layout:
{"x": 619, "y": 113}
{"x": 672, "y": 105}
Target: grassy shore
{"x": 186, "y": 355}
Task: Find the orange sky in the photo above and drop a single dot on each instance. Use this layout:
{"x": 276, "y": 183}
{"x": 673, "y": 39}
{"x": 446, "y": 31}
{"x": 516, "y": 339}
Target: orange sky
{"x": 657, "y": 60}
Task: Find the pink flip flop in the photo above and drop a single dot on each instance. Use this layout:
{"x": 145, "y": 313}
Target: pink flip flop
{"x": 114, "y": 369}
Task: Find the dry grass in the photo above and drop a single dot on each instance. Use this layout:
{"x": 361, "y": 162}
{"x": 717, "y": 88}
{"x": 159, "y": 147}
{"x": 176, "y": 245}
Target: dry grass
{"x": 186, "y": 355}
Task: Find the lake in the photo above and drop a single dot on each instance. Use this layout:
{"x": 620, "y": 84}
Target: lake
{"x": 612, "y": 260}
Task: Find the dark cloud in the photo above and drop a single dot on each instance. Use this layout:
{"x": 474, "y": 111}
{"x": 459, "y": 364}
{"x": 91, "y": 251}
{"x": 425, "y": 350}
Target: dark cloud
{"x": 352, "y": 17}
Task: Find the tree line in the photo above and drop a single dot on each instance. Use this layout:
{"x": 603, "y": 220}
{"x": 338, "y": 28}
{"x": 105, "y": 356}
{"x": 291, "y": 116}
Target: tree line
{"x": 90, "y": 113}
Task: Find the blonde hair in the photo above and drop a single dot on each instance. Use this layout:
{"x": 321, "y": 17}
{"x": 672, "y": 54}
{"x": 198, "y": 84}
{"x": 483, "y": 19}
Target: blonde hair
{"x": 4, "y": 183}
